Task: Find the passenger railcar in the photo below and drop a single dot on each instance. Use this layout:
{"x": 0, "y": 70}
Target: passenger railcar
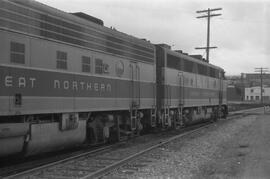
{"x": 189, "y": 88}
{"x": 65, "y": 79}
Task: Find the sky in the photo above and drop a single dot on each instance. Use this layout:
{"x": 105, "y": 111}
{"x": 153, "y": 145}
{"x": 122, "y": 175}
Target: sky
{"x": 241, "y": 33}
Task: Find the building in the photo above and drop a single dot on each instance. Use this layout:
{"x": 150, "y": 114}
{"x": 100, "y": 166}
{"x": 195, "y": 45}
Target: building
{"x": 237, "y": 86}
{"x": 234, "y": 93}
{"x": 254, "y": 94}
{"x": 254, "y": 79}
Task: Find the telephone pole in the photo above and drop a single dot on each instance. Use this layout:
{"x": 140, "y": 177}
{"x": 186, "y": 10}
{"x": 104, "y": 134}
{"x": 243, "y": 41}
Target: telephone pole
{"x": 261, "y": 71}
{"x": 208, "y": 16}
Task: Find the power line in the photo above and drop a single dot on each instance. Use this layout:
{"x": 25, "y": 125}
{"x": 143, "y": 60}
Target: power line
{"x": 208, "y": 16}
{"x": 262, "y": 71}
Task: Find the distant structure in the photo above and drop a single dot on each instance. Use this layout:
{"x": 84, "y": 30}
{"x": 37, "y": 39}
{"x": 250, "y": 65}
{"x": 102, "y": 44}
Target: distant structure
{"x": 254, "y": 79}
{"x": 235, "y": 92}
{"x": 238, "y": 84}
{"x": 254, "y": 94}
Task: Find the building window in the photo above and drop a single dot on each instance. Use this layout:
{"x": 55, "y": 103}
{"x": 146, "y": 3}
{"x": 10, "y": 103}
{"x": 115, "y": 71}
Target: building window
{"x": 17, "y": 52}
{"x": 98, "y": 66}
{"x": 247, "y": 98}
{"x": 86, "y": 64}
{"x": 251, "y": 90}
{"x": 61, "y": 60}
{"x": 251, "y": 98}
{"x": 257, "y": 97}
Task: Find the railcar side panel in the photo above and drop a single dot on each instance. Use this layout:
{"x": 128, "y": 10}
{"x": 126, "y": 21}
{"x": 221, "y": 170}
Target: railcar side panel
{"x": 53, "y": 63}
{"x": 63, "y": 92}
{"x": 12, "y": 137}
{"x": 65, "y": 80}
{"x": 11, "y": 146}
{"x": 187, "y": 84}
{"x": 53, "y": 138}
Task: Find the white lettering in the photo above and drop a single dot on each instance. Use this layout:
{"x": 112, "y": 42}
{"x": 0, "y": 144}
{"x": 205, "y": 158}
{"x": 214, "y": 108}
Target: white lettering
{"x": 96, "y": 86}
{"x": 82, "y": 85}
{"x": 22, "y": 82}
{"x": 102, "y": 87}
{"x": 32, "y": 82}
{"x": 66, "y": 85}
{"x": 56, "y": 84}
{"x": 75, "y": 85}
{"x": 8, "y": 81}
{"x": 88, "y": 86}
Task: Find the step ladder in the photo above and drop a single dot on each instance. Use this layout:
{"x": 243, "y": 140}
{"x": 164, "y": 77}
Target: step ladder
{"x": 153, "y": 116}
{"x": 133, "y": 117}
{"x": 179, "y": 121}
{"x": 166, "y": 116}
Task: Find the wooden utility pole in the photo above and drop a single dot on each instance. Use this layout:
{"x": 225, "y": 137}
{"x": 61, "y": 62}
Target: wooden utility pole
{"x": 261, "y": 71}
{"x": 208, "y": 16}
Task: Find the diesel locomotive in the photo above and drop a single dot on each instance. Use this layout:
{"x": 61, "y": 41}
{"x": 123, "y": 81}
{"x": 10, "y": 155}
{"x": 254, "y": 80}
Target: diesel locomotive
{"x": 66, "y": 79}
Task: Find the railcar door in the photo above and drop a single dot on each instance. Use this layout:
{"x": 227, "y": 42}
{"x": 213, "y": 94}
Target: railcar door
{"x": 179, "y": 119}
{"x": 181, "y": 88}
{"x": 220, "y": 97}
{"x": 135, "y": 84}
{"x": 134, "y": 93}
{"x": 167, "y": 103}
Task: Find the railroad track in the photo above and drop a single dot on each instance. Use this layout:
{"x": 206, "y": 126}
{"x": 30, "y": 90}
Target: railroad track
{"x": 28, "y": 167}
{"x": 95, "y": 164}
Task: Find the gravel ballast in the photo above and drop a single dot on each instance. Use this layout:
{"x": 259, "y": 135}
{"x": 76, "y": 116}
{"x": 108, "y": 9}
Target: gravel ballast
{"x": 188, "y": 156}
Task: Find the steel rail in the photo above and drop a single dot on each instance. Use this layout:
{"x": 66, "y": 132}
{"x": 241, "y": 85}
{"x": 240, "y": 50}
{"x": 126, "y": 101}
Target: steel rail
{"x": 59, "y": 161}
{"x": 120, "y": 163}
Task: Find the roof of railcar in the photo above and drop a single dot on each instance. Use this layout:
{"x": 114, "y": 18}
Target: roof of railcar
{"x": 83, "y": 22}
{"x": 191, "y": 59}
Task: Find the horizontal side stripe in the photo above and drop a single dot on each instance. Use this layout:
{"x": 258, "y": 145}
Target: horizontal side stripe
{"x": 39, "y": 105}
{"x": 40, "y": 13}
{"x": 189, "y": 93}
{"x": 132, "y": 50}
{"x": 57, "y": 29}
{"x": 69, "y": 72}
{"x": 42, "y": 83}
{"x": 4, "y": 29}
{"x": 23, "y": 28}
{"x": 72, "y": 98}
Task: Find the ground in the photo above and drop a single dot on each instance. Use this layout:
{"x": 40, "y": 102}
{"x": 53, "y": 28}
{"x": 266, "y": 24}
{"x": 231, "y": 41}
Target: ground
{"x": 236, "y": 148}
{"x": 244, "y": 156}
